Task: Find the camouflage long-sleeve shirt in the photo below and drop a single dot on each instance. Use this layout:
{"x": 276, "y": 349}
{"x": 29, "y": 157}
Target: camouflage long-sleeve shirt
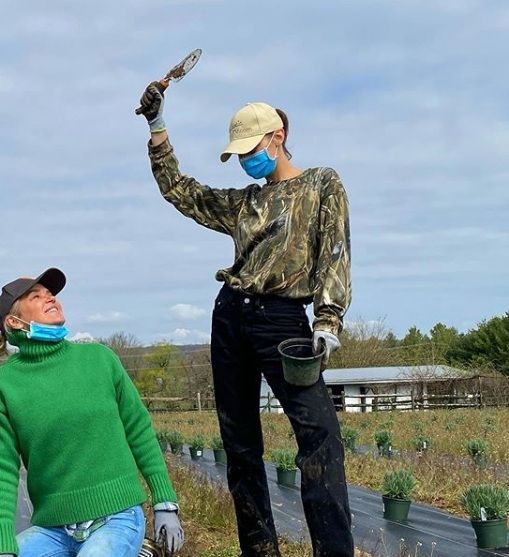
{"x": 292, "y": 238}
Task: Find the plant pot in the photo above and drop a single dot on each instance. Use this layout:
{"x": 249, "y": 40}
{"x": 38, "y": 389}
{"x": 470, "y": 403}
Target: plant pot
{"x": 286, "y": 477}
{"x": 490, "y": 534}
{"x": 480, "y": 460}
{"x": 385, "y": 450}
{"x": 301, "y": 366}
{"x": 349, "y": 444}
{"x": 177, "y": 449}
{"x": 163, "y": 445}
{"x": 395, "y": 509}
{"x": 196, "y": 452}
{"x": 220, "y": 456}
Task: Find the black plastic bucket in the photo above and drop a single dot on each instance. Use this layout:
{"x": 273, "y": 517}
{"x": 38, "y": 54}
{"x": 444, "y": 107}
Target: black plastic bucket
{"x": 301, "y": 366}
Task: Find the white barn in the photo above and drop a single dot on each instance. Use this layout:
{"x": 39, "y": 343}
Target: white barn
{"x": 358, "y": 389}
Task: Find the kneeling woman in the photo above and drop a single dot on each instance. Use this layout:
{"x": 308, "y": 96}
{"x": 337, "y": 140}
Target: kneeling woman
{"x": 76, "y": 420}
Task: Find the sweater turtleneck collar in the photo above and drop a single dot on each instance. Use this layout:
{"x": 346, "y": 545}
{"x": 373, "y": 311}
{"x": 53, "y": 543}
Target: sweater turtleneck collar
{"x": 34, "y": 350}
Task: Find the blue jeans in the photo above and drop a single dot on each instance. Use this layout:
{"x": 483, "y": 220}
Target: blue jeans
{"x": 121, "y": 536}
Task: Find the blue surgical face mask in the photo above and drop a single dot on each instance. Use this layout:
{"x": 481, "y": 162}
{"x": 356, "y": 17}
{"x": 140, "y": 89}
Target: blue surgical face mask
{"x": 46, "y": 333}
{"x": 259, "y": 164}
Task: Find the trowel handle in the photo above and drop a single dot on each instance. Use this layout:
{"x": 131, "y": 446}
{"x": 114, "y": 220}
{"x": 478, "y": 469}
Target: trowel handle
{"x": 163, "y": 85}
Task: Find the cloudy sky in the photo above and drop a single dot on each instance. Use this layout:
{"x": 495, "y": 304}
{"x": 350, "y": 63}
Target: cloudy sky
{"x": 406, "y": 99}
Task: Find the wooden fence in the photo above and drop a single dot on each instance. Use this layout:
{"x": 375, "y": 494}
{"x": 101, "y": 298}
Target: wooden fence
{"x": 268, "y": 403}
{"x": 397, "y": 401}
{"x": 355, "y": 403}
{"x": 179, "y": 404}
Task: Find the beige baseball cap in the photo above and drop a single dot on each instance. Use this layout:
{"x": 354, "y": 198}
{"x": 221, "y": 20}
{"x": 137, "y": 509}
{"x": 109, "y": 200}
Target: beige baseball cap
{"x": 248, "y": 127}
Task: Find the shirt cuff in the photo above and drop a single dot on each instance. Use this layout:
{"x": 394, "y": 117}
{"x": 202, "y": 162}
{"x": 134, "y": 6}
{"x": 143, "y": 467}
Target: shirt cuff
{"x": 161, "y": 149}
{"x": 166, "y": 506}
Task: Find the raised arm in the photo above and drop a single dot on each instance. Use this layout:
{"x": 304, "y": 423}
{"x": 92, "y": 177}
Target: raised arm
{"x": 216, "y": 209}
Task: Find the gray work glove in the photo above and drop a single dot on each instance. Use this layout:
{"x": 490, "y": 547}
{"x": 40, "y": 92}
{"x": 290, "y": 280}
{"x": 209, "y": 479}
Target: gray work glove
{"x": 171, "y": 523}
{"x": 324, "y": 338}
{"x": 152, "y": 105}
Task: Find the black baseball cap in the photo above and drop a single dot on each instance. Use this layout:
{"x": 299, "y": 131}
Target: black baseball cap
{"x": 52, "y": 279}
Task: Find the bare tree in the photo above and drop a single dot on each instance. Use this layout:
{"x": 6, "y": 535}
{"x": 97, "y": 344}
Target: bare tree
{"x": 129, "y": 349}
{"x": 366, "y": 344}
{"x": 199, "y": 371}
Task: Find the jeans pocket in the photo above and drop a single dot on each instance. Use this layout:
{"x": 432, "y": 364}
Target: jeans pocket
{"x": 289, "y": 316}
{"x": 132, "y": 519}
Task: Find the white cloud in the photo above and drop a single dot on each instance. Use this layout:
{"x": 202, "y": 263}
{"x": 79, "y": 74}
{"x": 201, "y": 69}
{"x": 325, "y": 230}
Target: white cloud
{"x": 187, "y": 311}
{"x": 407, "y": 102}
{"x": 108, "y": 317}
{"x": 188, "y": 336}
{"x": 82, "y": 337}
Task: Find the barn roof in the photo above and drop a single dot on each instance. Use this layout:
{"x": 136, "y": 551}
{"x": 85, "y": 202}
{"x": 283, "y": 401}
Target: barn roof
{"x": 405, "y": 374}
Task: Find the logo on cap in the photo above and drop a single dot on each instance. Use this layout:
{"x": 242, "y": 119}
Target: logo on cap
{"x": 238, "y": 129}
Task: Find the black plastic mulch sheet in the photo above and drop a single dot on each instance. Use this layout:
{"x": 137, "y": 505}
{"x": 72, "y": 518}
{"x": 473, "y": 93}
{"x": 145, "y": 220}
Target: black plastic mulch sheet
{"x": 428, "y": 533}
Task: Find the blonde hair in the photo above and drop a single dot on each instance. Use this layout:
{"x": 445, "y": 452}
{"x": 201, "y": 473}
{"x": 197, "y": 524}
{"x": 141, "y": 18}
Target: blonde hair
{"x": 13, "y": 311}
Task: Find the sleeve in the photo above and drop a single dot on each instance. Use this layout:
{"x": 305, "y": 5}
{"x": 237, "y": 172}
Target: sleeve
{"x": 141, "y": 437}
{"x": 333, "y": 281}
{"x": 216, "y": 209}
{"x": 9, "y": 479}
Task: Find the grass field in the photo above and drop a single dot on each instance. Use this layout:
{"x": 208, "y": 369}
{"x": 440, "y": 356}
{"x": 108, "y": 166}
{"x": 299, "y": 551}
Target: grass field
{"x": 443, "y": 472}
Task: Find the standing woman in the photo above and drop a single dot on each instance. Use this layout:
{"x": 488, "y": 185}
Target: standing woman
{"x": 292, "y": 247}
{"x": 71, "y": 414}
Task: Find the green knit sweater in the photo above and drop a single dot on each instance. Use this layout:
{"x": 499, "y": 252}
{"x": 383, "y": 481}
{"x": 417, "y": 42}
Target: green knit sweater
{"x": 76, "y": 419}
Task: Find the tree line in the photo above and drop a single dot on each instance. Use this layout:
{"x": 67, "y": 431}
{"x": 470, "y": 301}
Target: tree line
{"x": 484, "y": 348}
{"x": 166, "y": 370}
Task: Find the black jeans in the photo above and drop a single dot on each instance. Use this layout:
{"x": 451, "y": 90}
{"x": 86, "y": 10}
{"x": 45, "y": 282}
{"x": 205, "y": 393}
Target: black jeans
{"x": 246, "y": 331}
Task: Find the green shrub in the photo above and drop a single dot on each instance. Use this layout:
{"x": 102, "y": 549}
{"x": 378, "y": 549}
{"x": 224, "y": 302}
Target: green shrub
{"x": 350, "y": 437}
{"x": 217, "y": 443}
{"x": 478, "y": 449}
{"x": 162, "y": 436}
{"x": 197, "y": 441}
{"x": 494, "y": 500}
{"x": 421, "y": 443}
{"x": 383, "y": 437}
{"x": 175, "y": 438}
{"x": 176, "y": 441}
{"x": 383, "y": 440}
{"x": 489, "y": 425}
{"x": 284, "y": 459}
{"x": 477, "y": 446}
{"x": 399, "y": 484}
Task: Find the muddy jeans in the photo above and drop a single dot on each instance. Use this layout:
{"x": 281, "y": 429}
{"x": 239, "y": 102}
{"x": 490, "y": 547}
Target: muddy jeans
{"x": 246, "y": 331}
